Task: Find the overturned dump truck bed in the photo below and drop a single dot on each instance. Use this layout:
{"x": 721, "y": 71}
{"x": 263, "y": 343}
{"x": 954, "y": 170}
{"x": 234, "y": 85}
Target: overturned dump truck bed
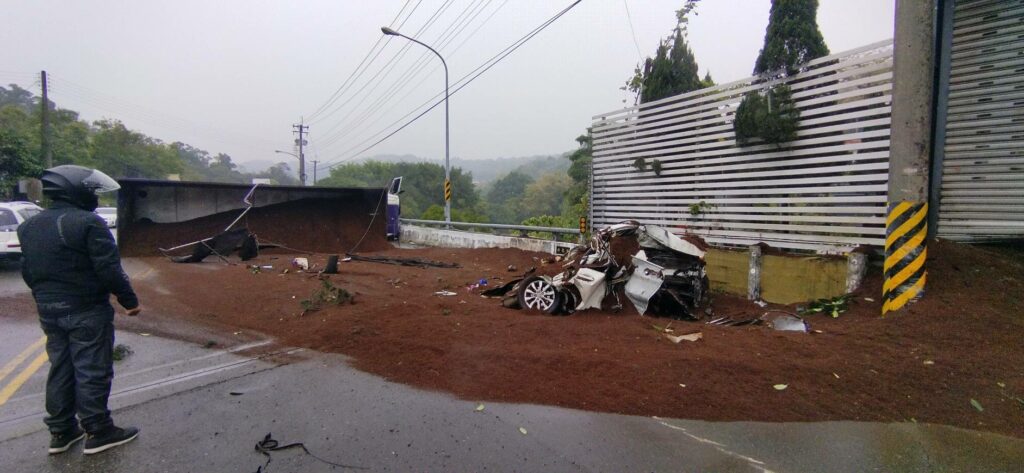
{"x": 155, "y": 214}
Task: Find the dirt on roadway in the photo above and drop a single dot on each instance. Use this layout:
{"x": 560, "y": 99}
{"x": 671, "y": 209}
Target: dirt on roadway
{"x": 962, "y": 342}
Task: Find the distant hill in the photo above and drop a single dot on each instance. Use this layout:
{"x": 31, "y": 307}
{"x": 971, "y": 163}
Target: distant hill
{"x": 486, "y": 170}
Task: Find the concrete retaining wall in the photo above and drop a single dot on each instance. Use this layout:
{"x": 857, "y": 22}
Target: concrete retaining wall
{"x": 459, "y": 239}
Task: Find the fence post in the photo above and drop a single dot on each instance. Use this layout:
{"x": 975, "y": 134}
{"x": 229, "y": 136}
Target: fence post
{"x": 754, "y": 275}
{"x": 856, "y": 268}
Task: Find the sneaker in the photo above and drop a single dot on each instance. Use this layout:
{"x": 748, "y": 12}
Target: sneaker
{"x": 108, "y": 439}
{"x": 60, "y": 443}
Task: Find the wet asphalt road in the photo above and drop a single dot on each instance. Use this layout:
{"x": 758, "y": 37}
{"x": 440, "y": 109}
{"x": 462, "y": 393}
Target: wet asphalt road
{"x": 203, "y": 410}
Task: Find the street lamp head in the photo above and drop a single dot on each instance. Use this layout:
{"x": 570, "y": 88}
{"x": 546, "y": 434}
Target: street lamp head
{"x": 389, "y": 31}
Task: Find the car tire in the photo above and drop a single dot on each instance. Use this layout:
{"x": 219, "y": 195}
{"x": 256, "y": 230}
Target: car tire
{"x": 537, "y": 293}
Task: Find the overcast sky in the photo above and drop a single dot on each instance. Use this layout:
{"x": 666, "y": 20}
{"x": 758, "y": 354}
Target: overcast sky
{"x": 233, "y": 76}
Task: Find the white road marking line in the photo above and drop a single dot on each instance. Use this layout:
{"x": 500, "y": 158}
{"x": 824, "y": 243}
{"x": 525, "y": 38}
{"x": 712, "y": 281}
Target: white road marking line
{"x": 754, "y": 463}
{"x": 167, "y": 365}
{"x": 170, "y": 380}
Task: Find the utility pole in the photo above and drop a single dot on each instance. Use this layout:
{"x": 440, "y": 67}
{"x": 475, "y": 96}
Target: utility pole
{"x": 301, "y": 141}
{"x": 314, "y": 171}
{"x": 906, "y": 228}
{"x": 47, "y": 151}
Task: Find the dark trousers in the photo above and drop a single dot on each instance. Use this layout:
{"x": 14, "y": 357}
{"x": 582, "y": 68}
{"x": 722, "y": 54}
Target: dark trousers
{"x": 80, "y": 346}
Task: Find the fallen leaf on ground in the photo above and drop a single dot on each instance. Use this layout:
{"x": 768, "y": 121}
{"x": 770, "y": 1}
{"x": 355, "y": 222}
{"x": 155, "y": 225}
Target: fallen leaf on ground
{"x": 479, "y": 407}
{"x": 977, "y": 405}
{"x": 522, "y": 431}
{"x": 780, "y": 387}
{"x": 836, "y": 375}
{"x": 929, "y": 362}
{"x": 682, "y": 385}
{"x": 1002, "y": 385}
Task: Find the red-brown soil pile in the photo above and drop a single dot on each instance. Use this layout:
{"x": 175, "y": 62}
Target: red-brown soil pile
{"x": 317, "y": 225}
{"x": 961, "y": 342}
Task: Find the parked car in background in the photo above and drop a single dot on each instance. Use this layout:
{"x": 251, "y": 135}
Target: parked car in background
{"x": 13, "y": 214}
{"x": 109, "y": 215}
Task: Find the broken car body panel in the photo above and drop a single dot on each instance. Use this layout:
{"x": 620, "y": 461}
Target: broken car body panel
{"x": 653, "y": 236}
{"x": 644, "y": 283}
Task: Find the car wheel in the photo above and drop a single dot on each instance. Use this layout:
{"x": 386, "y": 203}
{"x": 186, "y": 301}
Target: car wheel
{"x": 538, "y": 293}
{"x": 570, "y": 299}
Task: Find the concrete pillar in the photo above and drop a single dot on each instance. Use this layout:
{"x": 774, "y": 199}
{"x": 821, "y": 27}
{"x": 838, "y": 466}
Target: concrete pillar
{"x": 910, "y": 152}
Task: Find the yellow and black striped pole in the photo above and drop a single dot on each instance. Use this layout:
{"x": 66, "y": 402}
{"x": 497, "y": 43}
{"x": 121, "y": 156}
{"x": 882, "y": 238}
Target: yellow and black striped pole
{"x": 447, "y": 190}
{"x": 906, "y": 233}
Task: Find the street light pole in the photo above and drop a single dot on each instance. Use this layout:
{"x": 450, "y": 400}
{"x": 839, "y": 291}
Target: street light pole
{"x": 447, "y": 162}
{"x": 302, "y": 177}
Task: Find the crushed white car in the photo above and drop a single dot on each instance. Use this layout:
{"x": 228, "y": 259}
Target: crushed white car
{"x": 667, "y": 277}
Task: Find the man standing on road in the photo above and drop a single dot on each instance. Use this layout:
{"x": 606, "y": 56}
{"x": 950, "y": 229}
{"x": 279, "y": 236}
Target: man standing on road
{"x": 71, "y": 263}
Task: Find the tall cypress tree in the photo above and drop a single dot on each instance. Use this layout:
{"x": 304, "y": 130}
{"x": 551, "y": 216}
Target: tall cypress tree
{"x": 792, "y": 37}
{"x": 673, "y": 69}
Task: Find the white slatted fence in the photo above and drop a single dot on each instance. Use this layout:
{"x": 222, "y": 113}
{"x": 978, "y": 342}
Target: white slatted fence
{"x": 825, "y": 191}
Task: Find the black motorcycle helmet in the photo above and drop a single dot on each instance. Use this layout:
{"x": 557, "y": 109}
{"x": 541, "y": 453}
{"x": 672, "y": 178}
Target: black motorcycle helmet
{"x": 77, "y": 185}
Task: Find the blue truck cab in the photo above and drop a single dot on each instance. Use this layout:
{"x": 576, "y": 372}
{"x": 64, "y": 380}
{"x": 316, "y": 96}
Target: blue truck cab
{"x": 394, "y": 209}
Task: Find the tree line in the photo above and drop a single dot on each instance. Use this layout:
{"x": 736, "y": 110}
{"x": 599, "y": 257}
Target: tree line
{"x": 515, "y": 198}
{"x": 107, "y": 145}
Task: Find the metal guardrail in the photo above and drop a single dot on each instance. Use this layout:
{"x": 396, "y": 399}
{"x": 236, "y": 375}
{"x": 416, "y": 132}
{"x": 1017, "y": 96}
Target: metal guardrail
{"x": 498, "y": 226}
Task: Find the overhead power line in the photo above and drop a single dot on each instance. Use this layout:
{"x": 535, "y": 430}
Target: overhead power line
{"x": 359, "y": 114}
{"x": 629, "y": 19}
{"x": 359, "y": 69}
{"x": 361, "y": 123}
{"x": 465, "y": 80}
{"x": 365, "y": 122}
{"x": 388, "y": 65}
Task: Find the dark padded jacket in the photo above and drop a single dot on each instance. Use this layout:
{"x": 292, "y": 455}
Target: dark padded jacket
{"x": 70, "y": 261}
